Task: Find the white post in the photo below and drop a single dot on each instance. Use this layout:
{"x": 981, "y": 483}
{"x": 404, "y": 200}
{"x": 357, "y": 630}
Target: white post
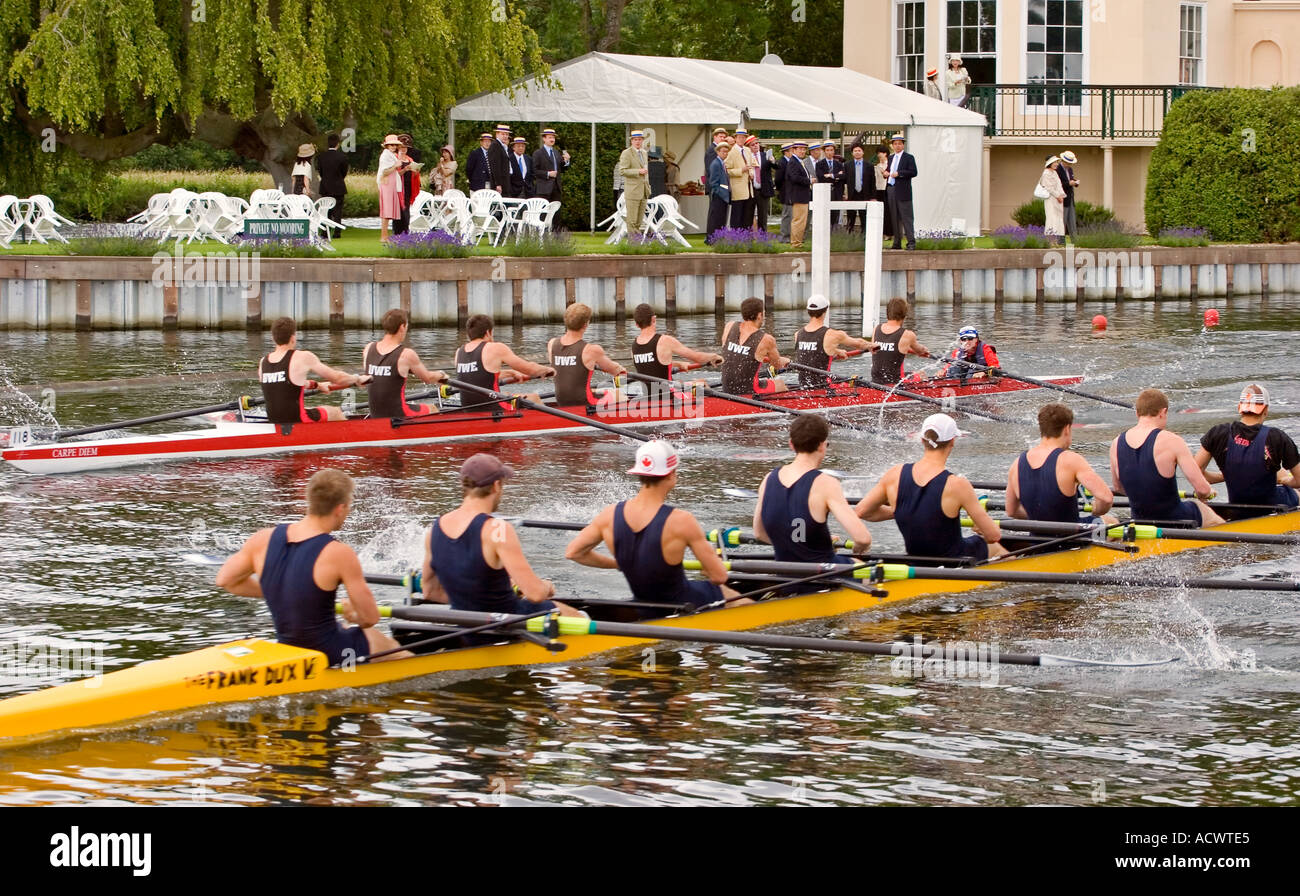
{"x": 821, "y": 239}
{"x": 875, "y": 247}
{"x": 593, "y": 177}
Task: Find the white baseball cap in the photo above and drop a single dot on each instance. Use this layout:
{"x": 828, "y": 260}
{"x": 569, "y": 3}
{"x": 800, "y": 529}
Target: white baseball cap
{"x": 944, "y": 427}
{"x": 818, "y": 302}
{"x": 1254, "y": 395}
{"x": 656, "y": 458}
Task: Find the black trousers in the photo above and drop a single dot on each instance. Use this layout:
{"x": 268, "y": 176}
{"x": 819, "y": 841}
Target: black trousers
{"x": 889, "y": 218}
{"x": 902, "y": 215}
{"x": 742, "y": 213}
{"x": 717, "y": 215}
{"x": 762, "y": 205}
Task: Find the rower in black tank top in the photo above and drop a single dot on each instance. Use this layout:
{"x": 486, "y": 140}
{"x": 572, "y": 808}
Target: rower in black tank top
{"x": 283, "y": 396}
{"x": 387, "y": 386}
{"x": 572, "y": 378}
{"x": 645, "y": 357}
{"x": 739, "y": 362}
{"x": 810, "y": 350}
{"x": 887, "y": 360}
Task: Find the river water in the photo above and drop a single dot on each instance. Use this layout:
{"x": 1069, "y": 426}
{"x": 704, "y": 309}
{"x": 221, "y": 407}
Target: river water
{"x": 97, "y": 559}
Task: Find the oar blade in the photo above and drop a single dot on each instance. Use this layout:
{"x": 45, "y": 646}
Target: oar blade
{"x": 1050, "y": 659}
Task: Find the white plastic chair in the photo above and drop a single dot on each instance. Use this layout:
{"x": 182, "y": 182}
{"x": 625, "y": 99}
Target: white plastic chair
{"x": 457, "y": 218}
{"x": 321, "y": 223}
{"x": 153, "y": 214}
{"x": 182, "y": 218}
{"x": 617, "y": 222}
{"x": 43, "y": 221}
{"x": 530, "y": 216}
{"x": 664, "y": 220}
{"x": 512, "y": 217}
{"x": 12, "y": 219}
{"x": 424, "y": 212}
{"x": 486, "y": 214}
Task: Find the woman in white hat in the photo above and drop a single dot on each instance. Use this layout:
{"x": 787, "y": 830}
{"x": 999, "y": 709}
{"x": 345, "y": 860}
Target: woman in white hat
{"x": 1054, "y": 204}
{"x": 389, "y": 179}
{"x": 302, "y": 173}
{"x": 958, "y": 81}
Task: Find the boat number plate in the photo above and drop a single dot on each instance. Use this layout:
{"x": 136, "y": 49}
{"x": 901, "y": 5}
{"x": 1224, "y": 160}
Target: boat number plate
{"x": 20, "y": 437}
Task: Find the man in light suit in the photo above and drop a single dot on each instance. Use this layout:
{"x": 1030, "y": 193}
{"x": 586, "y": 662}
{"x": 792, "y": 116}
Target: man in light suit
{"x": 860, "y": 178}
{"x": 547, "y": 167}
{"x": 521, "y": 171}
{"x": 634, "y": 165}
{"x": 830, "y": 170}
{"x": 898, "y": 192}
{"x": 740, "y": 162}
{"x": 719, "y": 189}
{"x": 478, "y": 164}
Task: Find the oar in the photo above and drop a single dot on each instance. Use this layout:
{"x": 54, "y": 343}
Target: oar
{"x": 547, "y": 409}
{"x": 241, "y": 403}
{"x": 913, "y": 396}
{"x": 568, "y": 626}
{"x": 888, "y": 572}
{"x": 754, "y": 403}
{"x": 1149, "y": 531}
{"x": 410, "y": 581}
{"x": 1046, "y": 385}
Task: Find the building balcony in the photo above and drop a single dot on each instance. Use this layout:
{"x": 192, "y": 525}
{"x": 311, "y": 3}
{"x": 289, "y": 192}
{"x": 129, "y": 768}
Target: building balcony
{"x": 1084, "y": 112}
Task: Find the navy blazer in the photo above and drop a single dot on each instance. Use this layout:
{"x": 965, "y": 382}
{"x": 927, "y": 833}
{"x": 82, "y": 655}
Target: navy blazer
{"x": 868, "y": 190}
{"x": 830, "y": 171}
{"x": 798, "y": 186}
{"x": 719, "y": 182}
{"x": 903, "y": 180}
{"x": 476, "y": 170}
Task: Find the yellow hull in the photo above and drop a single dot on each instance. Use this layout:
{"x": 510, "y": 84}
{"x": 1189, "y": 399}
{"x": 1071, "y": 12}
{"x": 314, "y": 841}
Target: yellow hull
{"x": 254, "y": 668}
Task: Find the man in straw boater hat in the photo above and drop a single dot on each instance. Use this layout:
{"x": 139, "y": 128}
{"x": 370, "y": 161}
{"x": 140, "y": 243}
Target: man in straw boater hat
{"x": 647, "y": 540}
{"x": 898, "y": 191}
{"x": 478, "y": 164}
{"x": 499, "y": 156}
{"x": 780, "y": 185}
{"x": 798, "y": 189}
{"x": 298, "y": 568}
{"x": 474, "y": 561}
{"x": 1258, "y": 463}
{"x": 711, "y": 151}
{"x": 548, "y": 165}
{"x": 741, "y": 178}
{"x": 1144, "y": 464}
{"x": 1068, "y": 183}
{"x": 635, "y": 168}
{"x": 926, "y": 501}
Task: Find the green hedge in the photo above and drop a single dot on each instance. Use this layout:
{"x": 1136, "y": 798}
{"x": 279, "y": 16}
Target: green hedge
{"x": 1227, "y": 163}
{"x": 1086, "y": 214}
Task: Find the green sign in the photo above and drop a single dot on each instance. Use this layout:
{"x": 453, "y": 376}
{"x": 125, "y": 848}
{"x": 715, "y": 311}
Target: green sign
{"x": 277, "y": 228}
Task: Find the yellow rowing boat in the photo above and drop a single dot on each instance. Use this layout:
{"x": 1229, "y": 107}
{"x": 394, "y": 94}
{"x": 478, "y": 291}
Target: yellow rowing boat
{"x": 254, "y": 668}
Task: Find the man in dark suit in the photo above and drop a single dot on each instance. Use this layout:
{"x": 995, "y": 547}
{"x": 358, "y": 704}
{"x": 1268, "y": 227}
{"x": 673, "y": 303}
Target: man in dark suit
{"x": 766, "y": 188}
{"x": 521, "y": 171}
{"x": 711, "y": 151}
{"x": 830, "y": 170}
{"x": 548, "y": 166}
{"x": 860, "y": 180}
{"x": 333, "y": 168}
{"x": 719, "y": 190}
{"x": 778, "y": 181}
{"x": 898, "y": 192}
{"x": 798, "y": 189}
{"x": 499, "y": 159}
{"x": 478, "y": 164}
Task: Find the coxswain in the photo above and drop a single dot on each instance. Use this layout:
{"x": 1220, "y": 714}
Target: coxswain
{"x": 474, "y": 561}
{"x": 285, "y": 373}
{"x": 1144, "y": 464}
{"x": 796, "y": 501}
{"x": 389, "y": 362}
{"x": 1259, "y": 463}
{"x": 647, "y": 540}
{"x": 926, "y": 500}
{"x": 298, "y": 567}
{"x": 1044, "y": 482}
{"x": 975, "y": 350}
{"x": 746, "y": 349}
{"x": 574, "y": 359}
{"x": 489, "y": 364}
{"x": 893, "y": 342}
{"x": 816, "y": 344}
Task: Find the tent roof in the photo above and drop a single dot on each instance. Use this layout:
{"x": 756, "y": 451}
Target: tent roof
{"x": 610, "y": 87}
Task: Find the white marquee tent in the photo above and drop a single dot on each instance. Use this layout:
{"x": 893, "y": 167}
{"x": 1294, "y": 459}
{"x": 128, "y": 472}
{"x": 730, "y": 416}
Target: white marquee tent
{"x": 688, "y": 96}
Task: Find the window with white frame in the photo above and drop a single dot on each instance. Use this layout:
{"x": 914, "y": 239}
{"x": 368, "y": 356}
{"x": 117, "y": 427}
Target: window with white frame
{"x": 1054, "y": 51}
{"x": 909, "y": 44}
{"x": 1191, "y": 44}
{"x": 971, "y": 32}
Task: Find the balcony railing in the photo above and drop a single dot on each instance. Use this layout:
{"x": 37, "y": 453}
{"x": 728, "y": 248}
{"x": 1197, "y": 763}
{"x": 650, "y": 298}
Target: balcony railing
{"x": 1101, "y": 111}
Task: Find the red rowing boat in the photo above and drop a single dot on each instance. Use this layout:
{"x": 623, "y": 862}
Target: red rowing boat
{"x": 232, "y": 438}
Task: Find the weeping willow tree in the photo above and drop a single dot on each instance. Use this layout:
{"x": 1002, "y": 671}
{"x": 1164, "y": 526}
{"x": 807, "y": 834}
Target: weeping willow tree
{"x": 108, "y": 78}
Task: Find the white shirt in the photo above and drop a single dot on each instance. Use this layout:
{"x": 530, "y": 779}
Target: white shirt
{"x": 893, "y": 167}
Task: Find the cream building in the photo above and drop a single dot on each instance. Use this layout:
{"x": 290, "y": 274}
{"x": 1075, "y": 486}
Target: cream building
{"x": 1092, "y": 76}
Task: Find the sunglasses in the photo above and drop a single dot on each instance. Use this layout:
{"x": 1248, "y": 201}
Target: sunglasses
{"x": 967, "y": 339}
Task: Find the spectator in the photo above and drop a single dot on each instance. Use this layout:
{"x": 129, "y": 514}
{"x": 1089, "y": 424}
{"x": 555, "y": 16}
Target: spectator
{"x": 898, "y": 190}
{"x": 764, "y": 186}
{"x": 444, "y": 173}
{"x": 711, "y": 151}
{"x": 860, "y": 178}
{"x": 779, "y": 181}
{"x": 302, "y": 173}
{"x": 618, "y": 180}
{"x": 958, "y": 82}
{"x": 830, "y": 170}
{"x": 521, "y": 171}
{"x": 1054, "y": 204}
{"x": 478, "y": 165}
{"x": 410, "y": 181}
{"x": 499, "y": 159}
{"x": 799, "y": 190}
{"x": 719, "y": 190}
{"x": 882, "y": 180}
{"x": 932, "y": 84}
{"x": 672, "y": 171}
{"x": 742, "y": 183}
{"x": 548, "y": 165}
{"x": 636, "y": 182}
{"x": 333, "y": 166}
{"x": 1066, "y": 171}
{"x": 390, "y": 185}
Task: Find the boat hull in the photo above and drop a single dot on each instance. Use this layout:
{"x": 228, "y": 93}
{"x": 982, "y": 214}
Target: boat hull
{"x": 254, "y": 669}
{"x": 233, "y": 439}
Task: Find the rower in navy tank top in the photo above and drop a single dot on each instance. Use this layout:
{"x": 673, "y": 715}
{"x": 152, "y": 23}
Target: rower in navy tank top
{"x": 795, "y": 534}
{"x": 1038, "y": 492}
{"x": 465, "y": 576}
{"x": 297, "y": 568}
{"x": 1250, "y": 457}
{"x": 927, "y": 530}
{"x": 1135, "y": 470}
{"x": 1041, "y": 495}
{"x": 651, "y": 556}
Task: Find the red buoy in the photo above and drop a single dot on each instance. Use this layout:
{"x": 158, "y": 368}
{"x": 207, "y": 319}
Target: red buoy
{"x": 1099, "y": 322}
{"x": 1211, "y": 317}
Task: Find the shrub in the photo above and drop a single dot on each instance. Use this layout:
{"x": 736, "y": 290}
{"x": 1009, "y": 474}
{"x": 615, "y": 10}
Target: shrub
{"x": 104, "y": 239}
{"x": 1031, "y": 214}
{"x": 1030, "y": 237}
{"x": 1183, "y": 236}
{"x": 268, "y": 248}
{"x": 843, "y": 241}
{"x": 1111, "y": 235}
{"x": 735, "y": 239}
{"x": 1226, "y": 162}
{"x": 930, "y": 240}
{"x": 432, "y": 244}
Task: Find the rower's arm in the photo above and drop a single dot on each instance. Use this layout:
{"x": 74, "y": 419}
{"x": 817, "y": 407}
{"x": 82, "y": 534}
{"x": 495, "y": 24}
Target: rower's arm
{"x": 1115, "y": 485}
{"x": 1294, "y": 477}
{"x": 1102, "y": 497}
{"x": 1203, "y": 459}
{"x": 523, "y": 366}
{"x": 710, "y": 564}
{"x": 837, "y": 506}
{"x": 430, "y": 588}
{"x": 769, "y": 353}
{"x": 675, "y": 347}
{"x": 602, "y": 361}
{"x": 874, "y": 506}
{"x": 238, "y": 574}
{"x": 313, "y": 365}
{"x": 583, "y": 547}
{"x": 418, "y": 369}
{"x": 1014, "y": 507}
{"x": 1186, "y": 463}
{"x": 760, "y": 531}
{"x": 359, "y": 606}
{"x": 511, "y": 554}
{"x": 842, "y": 341}
{"x": 984, "y": 525}
{"x": 909, "y": 346}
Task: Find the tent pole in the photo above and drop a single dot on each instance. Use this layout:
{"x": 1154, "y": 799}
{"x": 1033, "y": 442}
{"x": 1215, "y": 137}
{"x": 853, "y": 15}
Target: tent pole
{"x": 451, "y": 133}
{"x": 593, "y": 177}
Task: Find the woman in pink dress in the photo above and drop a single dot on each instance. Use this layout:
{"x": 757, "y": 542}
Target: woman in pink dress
{"x": 390, "y": 184}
